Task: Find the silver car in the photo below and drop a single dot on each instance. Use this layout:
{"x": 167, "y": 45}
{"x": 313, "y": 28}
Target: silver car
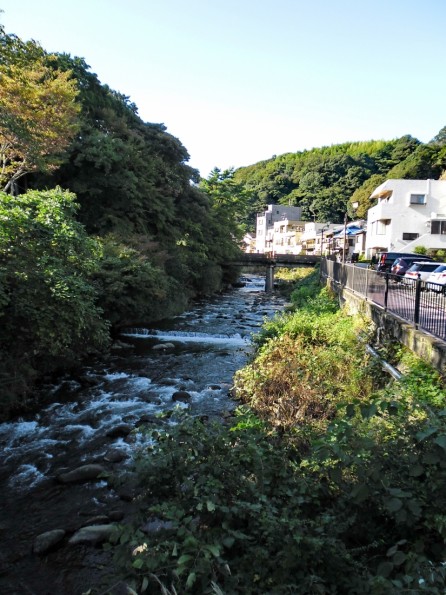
{"x": 437, "y": 279}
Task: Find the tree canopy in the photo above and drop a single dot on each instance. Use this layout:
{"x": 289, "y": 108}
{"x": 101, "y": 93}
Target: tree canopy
{"x": 38, "y": 112}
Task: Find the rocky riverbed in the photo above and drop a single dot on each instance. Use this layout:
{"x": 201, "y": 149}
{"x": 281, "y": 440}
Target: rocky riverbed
{"x": 59, "y": 504}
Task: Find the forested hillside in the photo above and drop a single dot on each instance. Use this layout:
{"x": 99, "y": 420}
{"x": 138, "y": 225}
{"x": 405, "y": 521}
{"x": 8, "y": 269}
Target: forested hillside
{"x": 323, "y": 181}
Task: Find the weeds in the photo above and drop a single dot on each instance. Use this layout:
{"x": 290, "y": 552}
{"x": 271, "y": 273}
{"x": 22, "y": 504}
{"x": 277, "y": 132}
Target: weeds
{"x": 326, "y": 483}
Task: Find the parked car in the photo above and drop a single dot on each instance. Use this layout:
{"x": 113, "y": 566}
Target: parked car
{"x": 437, "y": 280}
{"x": 402, "y": 264}
{"x": 422, "y": 270}
{"x": 383, "y": 261}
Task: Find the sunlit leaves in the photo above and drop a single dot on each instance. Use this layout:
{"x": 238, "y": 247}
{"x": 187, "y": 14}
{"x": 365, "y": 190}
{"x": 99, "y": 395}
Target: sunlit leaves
{"x": 38, "y": 112}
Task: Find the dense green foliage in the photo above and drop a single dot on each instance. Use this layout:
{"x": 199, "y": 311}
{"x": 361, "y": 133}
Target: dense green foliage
{"x": 325, "y": 181}
{"x": 333, "y": 485}
{"x": 145, "y": 238}
{"x": 48, "y": 306}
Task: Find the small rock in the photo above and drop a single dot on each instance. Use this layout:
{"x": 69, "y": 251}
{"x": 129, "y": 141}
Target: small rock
{"x": 214, "y": 387}
{"x": 81, "y": 474}
{"x": 93, "y": 534}
{"x": 121, "y": 345}
{"x": 46, "y": 541}
{"x": 150, "y": 397}
{"x": 181, "y": 396}
{"x": 115, "y": 455}
{"x": 147, "y": 419}
{"x": 163, "y": 346}
{"x": 119, "y": 431}
{"x": 86, "y": 380}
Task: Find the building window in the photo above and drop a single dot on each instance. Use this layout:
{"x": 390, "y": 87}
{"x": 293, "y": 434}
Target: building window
{"x": 438, "y": 227}
{"x": 380, "y": 228}
{"x": 417, "y": 199}
{"x": 410, "y": 236}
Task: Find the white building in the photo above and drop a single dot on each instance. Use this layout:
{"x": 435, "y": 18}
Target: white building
{"x": 312, "y": 238}
{"x": 249, "y": 243}
{"x": 332, "y": 239}
{"x": 286, "y": 236}
{"x": 409, "y": 213}
{"x": 265, "y": 225}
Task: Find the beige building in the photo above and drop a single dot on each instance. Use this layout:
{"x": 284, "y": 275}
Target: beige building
{"x": 265, "y": 225}
{"x": 286, "y": 236}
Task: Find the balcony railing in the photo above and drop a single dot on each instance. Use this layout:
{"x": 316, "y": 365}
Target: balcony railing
{"x": 422, "y": 305}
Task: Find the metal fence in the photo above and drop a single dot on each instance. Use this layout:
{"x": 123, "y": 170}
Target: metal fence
{"x": 412, "y": 300}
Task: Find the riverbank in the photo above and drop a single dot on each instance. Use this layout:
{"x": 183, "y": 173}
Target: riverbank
{"x": 330, "y": 482}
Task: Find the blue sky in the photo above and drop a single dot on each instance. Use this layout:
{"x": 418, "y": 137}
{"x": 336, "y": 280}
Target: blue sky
{"x": 238, "y": 81}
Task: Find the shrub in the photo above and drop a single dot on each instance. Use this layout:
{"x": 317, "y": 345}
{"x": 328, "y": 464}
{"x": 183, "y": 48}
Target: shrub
{"x": 332, "y": 486}
{"x": 48, "y": 305}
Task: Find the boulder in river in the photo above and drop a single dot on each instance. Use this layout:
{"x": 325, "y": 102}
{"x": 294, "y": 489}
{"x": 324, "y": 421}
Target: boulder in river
{"x": 181, "y": 396}
{"x": 93, "y": 534}
{"x": 163, "y": 346}
{"x": 81, "y": 474}
{"x": 119, "y": 431}
{"x": 47, "y": 541}
{"x": 115, "y": 455}
{"x": 118, "y": 344}
{"x": 150, "y": 396}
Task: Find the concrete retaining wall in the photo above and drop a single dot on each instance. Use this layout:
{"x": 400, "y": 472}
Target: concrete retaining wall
{"x": 426, "y": 346}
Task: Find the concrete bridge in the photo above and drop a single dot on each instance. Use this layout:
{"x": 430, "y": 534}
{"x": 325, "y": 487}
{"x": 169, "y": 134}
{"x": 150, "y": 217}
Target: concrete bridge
{"x": 270, "y": 262}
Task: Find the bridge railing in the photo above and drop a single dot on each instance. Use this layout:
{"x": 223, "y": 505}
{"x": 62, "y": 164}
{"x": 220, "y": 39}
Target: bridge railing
{"x": 274, "y": 260}
{"x": 422, "y": 305}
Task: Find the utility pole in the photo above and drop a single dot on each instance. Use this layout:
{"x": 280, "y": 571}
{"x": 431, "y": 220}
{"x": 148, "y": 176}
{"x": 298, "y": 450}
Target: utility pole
{"x": 345, "y": 238}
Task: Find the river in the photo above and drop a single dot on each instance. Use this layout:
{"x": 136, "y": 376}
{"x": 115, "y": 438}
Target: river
{"x": 94, "y": 419}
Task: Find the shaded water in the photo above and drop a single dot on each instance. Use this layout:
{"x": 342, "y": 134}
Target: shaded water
{"x": 96, "y": 421}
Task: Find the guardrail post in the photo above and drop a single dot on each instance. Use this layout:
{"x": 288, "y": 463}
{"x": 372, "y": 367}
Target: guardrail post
{"x": 386, "y": 292}
{"x": 416, "y": 314}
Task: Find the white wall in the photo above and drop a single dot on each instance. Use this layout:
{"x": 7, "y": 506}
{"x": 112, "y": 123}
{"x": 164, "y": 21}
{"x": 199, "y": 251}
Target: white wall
{"x": 395, "y": 221}
{"x": 265, "y": 224}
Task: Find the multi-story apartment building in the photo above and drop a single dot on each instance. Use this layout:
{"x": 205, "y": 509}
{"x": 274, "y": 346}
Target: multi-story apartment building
{"x": 265, "y": 225}
{"x": 286, "y": 236}
{"x": 409, "y": 213}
